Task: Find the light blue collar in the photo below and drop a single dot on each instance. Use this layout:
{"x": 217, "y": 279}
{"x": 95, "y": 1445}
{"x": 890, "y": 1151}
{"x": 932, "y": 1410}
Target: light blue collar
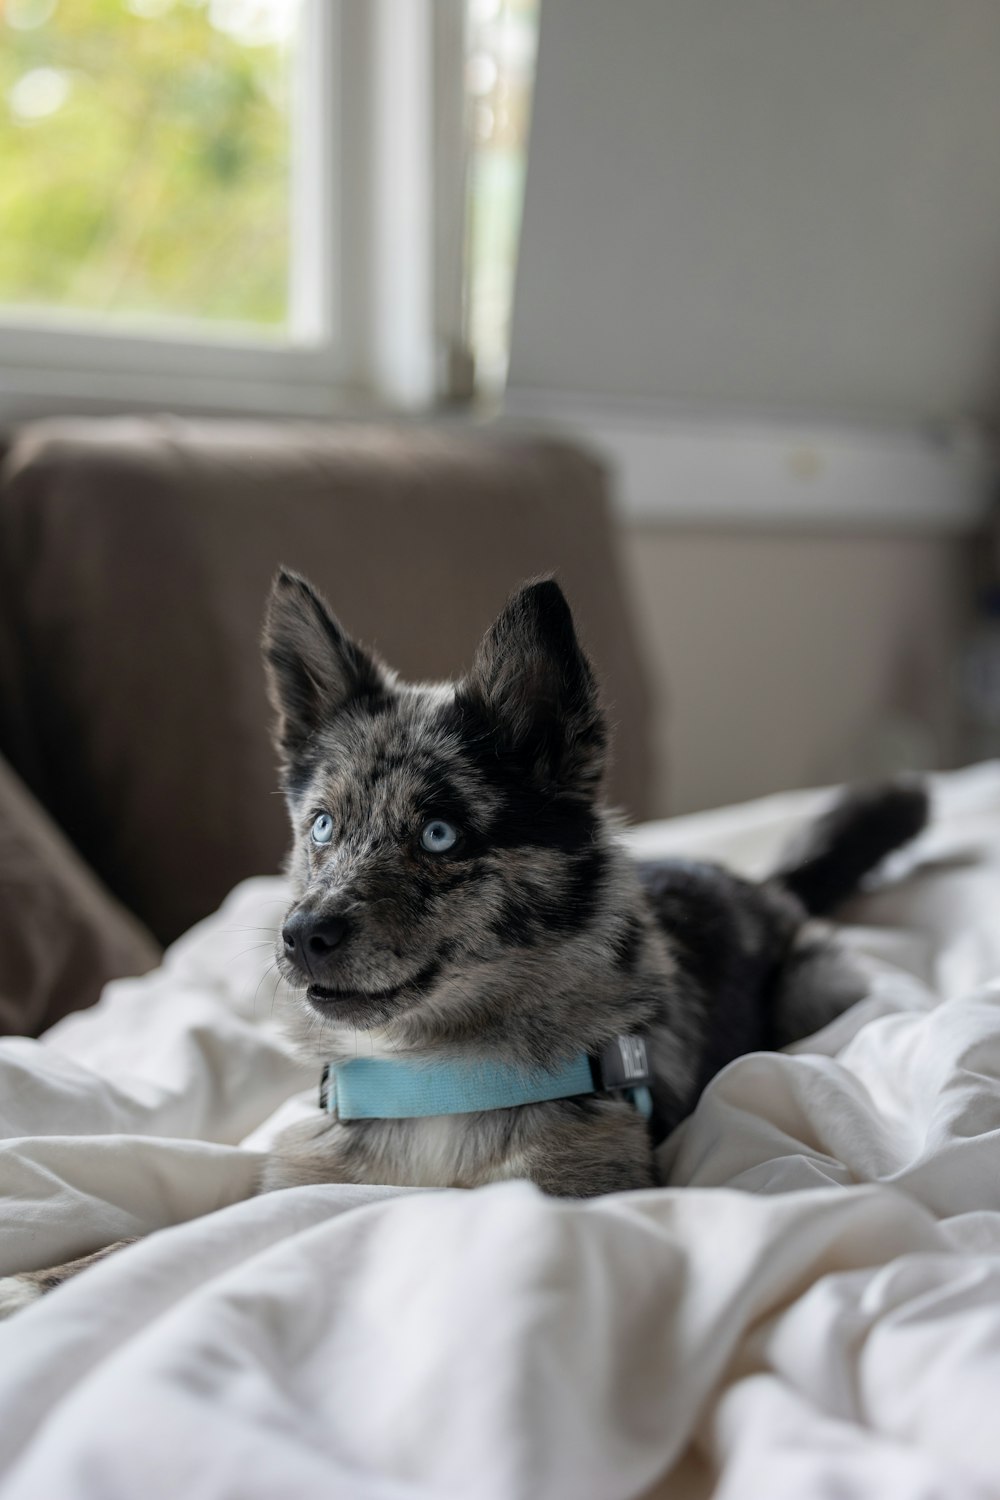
{"x": 384, "y": 1088}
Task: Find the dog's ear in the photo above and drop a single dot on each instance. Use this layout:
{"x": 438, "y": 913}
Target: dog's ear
{"x": 534, "y": 687}
{"x": 314, "y": 668}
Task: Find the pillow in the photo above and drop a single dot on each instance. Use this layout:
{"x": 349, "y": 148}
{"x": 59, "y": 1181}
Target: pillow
{"x": 62, "y": 935}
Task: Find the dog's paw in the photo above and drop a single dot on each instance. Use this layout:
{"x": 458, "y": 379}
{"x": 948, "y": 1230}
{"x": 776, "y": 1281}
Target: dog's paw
{"x": 17, "y": 1292}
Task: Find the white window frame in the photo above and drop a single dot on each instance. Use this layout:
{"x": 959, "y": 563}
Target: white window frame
{"x": 363, "y": 329}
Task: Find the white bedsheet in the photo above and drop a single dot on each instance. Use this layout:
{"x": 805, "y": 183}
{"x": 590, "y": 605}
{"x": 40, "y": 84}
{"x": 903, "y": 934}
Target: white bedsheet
{"x": 813, "y": 1308}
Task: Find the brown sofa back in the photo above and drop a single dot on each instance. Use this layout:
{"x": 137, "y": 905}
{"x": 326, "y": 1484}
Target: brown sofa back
{"x": 136, "y": 557}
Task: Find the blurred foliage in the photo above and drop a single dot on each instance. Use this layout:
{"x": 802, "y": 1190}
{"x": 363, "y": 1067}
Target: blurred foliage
{"x": 146, "y": 157}
{"x": 500, "y": 72}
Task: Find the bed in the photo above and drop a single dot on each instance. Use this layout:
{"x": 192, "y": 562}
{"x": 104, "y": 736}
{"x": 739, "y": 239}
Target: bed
{"x": 811, "y": 1307}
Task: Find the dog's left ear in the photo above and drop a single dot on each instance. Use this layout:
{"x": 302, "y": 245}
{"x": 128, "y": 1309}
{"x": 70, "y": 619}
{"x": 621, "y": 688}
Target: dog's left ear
{"x": 534, "y": 687}
{"x": 314, "y": 669}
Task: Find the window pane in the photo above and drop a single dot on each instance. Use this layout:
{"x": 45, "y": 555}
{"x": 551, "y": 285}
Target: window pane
{"x": 145, "y": 157}
{"x": 500, "y": 71}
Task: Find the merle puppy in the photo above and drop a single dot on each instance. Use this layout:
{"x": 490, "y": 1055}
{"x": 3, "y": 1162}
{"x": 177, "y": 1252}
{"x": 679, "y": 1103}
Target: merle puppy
{"x": 462, "y": 896}
{"x": 463, "y": 901}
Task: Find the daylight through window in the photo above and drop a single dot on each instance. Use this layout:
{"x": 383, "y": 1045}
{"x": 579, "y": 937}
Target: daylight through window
{"x": 147, "y": 159}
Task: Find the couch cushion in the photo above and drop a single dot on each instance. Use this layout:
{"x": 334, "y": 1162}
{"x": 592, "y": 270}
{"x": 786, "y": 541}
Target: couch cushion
{"x": 62, "y": 935}
{"x": 137, "y": 554}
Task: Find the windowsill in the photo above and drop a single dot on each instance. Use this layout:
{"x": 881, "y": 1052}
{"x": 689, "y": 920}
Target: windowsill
{"x": 27, "y": 393}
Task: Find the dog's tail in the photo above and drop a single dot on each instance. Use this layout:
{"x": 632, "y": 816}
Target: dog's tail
{"x": 827, "y": 863}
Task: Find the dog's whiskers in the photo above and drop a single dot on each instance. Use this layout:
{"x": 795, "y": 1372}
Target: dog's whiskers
{"x": 260, "y": 981}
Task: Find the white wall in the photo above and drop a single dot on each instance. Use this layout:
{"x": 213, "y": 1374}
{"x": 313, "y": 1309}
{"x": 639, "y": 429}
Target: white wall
{"x": 765, "y": 204}
{"x": 793, "y": 660}
{"x": 760, "y": 271}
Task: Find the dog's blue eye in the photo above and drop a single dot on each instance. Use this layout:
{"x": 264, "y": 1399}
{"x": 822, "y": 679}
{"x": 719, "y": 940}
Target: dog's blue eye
{"x": 438, "y": 836}
{"x": 322, "y": 829}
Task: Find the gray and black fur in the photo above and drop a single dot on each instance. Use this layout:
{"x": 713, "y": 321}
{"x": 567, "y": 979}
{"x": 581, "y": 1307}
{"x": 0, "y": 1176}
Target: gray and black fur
{"x": 537, "y": 936}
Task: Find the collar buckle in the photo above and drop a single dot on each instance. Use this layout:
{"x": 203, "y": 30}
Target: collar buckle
{"x": 623, "y": 1064}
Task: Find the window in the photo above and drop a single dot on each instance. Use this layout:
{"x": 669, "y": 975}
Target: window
{"x": 501, "y": 44}
{"x": 257, "y": 205}
{"x": 170, "y": 204}
{"x": 147, "y": 150}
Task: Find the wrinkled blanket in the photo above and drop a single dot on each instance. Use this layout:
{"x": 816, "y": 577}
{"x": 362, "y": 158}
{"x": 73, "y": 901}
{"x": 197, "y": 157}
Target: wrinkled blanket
{"x": 812, "y": 1307}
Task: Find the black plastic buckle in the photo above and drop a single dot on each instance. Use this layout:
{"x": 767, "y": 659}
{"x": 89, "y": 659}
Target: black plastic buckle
{"x": 622, "y": 1064}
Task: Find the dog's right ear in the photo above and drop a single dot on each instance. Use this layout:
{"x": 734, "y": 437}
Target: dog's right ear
{"x": 313, "y": 666}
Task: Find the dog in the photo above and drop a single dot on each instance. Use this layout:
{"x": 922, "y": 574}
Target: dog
{"x": 495, "y": 987}
{"x": 462, "y": 893}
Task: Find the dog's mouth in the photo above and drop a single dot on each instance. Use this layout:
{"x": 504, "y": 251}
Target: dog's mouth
{"x": 329, "y": 998}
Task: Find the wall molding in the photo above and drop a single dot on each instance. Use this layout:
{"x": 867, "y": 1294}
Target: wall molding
{"x": 688, "y": 469}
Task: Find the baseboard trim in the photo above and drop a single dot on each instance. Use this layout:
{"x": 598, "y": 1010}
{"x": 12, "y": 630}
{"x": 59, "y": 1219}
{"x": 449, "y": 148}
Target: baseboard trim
{"x": 696, "y": 471}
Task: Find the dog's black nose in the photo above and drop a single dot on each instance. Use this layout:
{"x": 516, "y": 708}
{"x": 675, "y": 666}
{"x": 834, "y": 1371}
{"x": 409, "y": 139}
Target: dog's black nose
{"x": 307, "y": 936}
